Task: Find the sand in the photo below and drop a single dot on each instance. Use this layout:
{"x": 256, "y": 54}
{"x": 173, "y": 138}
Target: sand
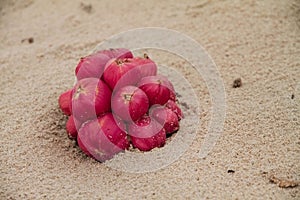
{"x": 257, "y": 41}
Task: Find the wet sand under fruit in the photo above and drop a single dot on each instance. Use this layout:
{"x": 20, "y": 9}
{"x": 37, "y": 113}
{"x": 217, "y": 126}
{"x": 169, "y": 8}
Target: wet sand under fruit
{"x": 255, "y": 157}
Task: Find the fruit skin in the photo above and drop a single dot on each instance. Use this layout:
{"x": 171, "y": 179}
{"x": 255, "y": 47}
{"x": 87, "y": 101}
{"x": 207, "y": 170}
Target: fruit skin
{"x": 145, "y": 65}
{"x": 129, "y": 103}
{"x": 82, "y": 146}
{"x": 118, "y": 53}
{"x": 90, "y": 98}
{"x": 71, "y": 128}
{"x": 165, "y": 117}
{"x": 146, "y": 134}
{"x": 64, "y": 102}
{"x": 158, "y": 89}
{"x": 121, "y": 72}
{"x": 128, "y": 71}
{"x": 172, "y": 105}
{"x": 93, "y": 65}
{"x": 173, "y": 96}
{"x": 101, "y": 138}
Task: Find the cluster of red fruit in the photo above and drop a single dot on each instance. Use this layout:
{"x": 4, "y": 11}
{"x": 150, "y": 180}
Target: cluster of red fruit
{"x": 119, "y": 100}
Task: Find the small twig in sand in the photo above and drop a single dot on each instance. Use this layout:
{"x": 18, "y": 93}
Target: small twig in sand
{"x": 283, "y": 183}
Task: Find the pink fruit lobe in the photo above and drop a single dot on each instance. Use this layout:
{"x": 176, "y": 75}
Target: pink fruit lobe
{"x": 122, "y": 72}
{"x": 175, "y": 108}
{"x": 166, "y": 117}
{"x": 64, "y": 102}
{"x": 91, "y": 66}
{"x": 147, "y": 134}
{"x": 158, "y": 89}
{"x": 145, "y": 65}
{"x": 102, "y": 138}
{"x": 71, "y": 128}
{"x": 90, "y": 98}
{"x": 129, "y": 103}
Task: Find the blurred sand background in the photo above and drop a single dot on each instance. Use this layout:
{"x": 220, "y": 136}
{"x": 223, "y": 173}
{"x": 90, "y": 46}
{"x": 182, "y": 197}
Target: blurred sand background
{"x": 257, "y": 41}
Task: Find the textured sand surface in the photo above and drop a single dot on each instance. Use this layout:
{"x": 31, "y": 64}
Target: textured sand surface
{"x": 258, "y": 41}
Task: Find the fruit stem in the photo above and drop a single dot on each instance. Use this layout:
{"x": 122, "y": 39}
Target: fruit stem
{"x": 146, "y": 56}
{"x": 119, "y": 62}
{"x": 78, "y": 91}
{"x": 127, "y": 97}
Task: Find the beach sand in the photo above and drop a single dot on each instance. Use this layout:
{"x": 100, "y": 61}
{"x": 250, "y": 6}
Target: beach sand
{"x": 257, "y": 41}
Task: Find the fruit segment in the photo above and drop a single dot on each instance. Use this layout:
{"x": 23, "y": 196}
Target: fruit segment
{"x": 158, "y": 89}
{"x": 129, "y": 103}
{"x": 102, "y": 138}
{"x": 90, "y": 98}
{"x": 166, "y": 117}
{"x": 175, "y": 108}
{"x": 146, "y": 134}
{"x": 71, "y": 128}
{"x": 64, "y": 102}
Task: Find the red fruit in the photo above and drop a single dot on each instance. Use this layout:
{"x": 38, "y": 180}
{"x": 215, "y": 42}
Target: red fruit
{"x": 165, "y": 117}
{"x": 90, "y": 98}
{"x": 145, "y": 65}
{"x": 175, "y": 108}
{"x": 101, "y": 138}
{"x": 93, "y": 65}
{"x": 158, "y": 89}
{"x": 121, "y": 71}
{"x": 82, "y": 146}
{"x": 121, "y": 123}
{"x": 173, "y": 96}
{"x": 72, "y": 128}
{"x": 117, "y": 53}
{"x": 146, "y": 134}
{"x": 64, "y": 102}
{"x": 129, "y": 103}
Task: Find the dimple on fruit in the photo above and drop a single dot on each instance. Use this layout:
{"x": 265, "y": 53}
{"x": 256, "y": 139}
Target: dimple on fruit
{"x": 119, "y": 101}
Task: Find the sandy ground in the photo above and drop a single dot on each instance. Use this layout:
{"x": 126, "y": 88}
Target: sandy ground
{"x": 258, "y": 41}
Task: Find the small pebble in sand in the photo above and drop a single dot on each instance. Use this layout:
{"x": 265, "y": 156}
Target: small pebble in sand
{"x": 86, "y": 7}
{"x": 230, "y": 171}
{"x": 30, "y": 40}
{"x": 237, "y": 83}
{"x": 293, "y": 96}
